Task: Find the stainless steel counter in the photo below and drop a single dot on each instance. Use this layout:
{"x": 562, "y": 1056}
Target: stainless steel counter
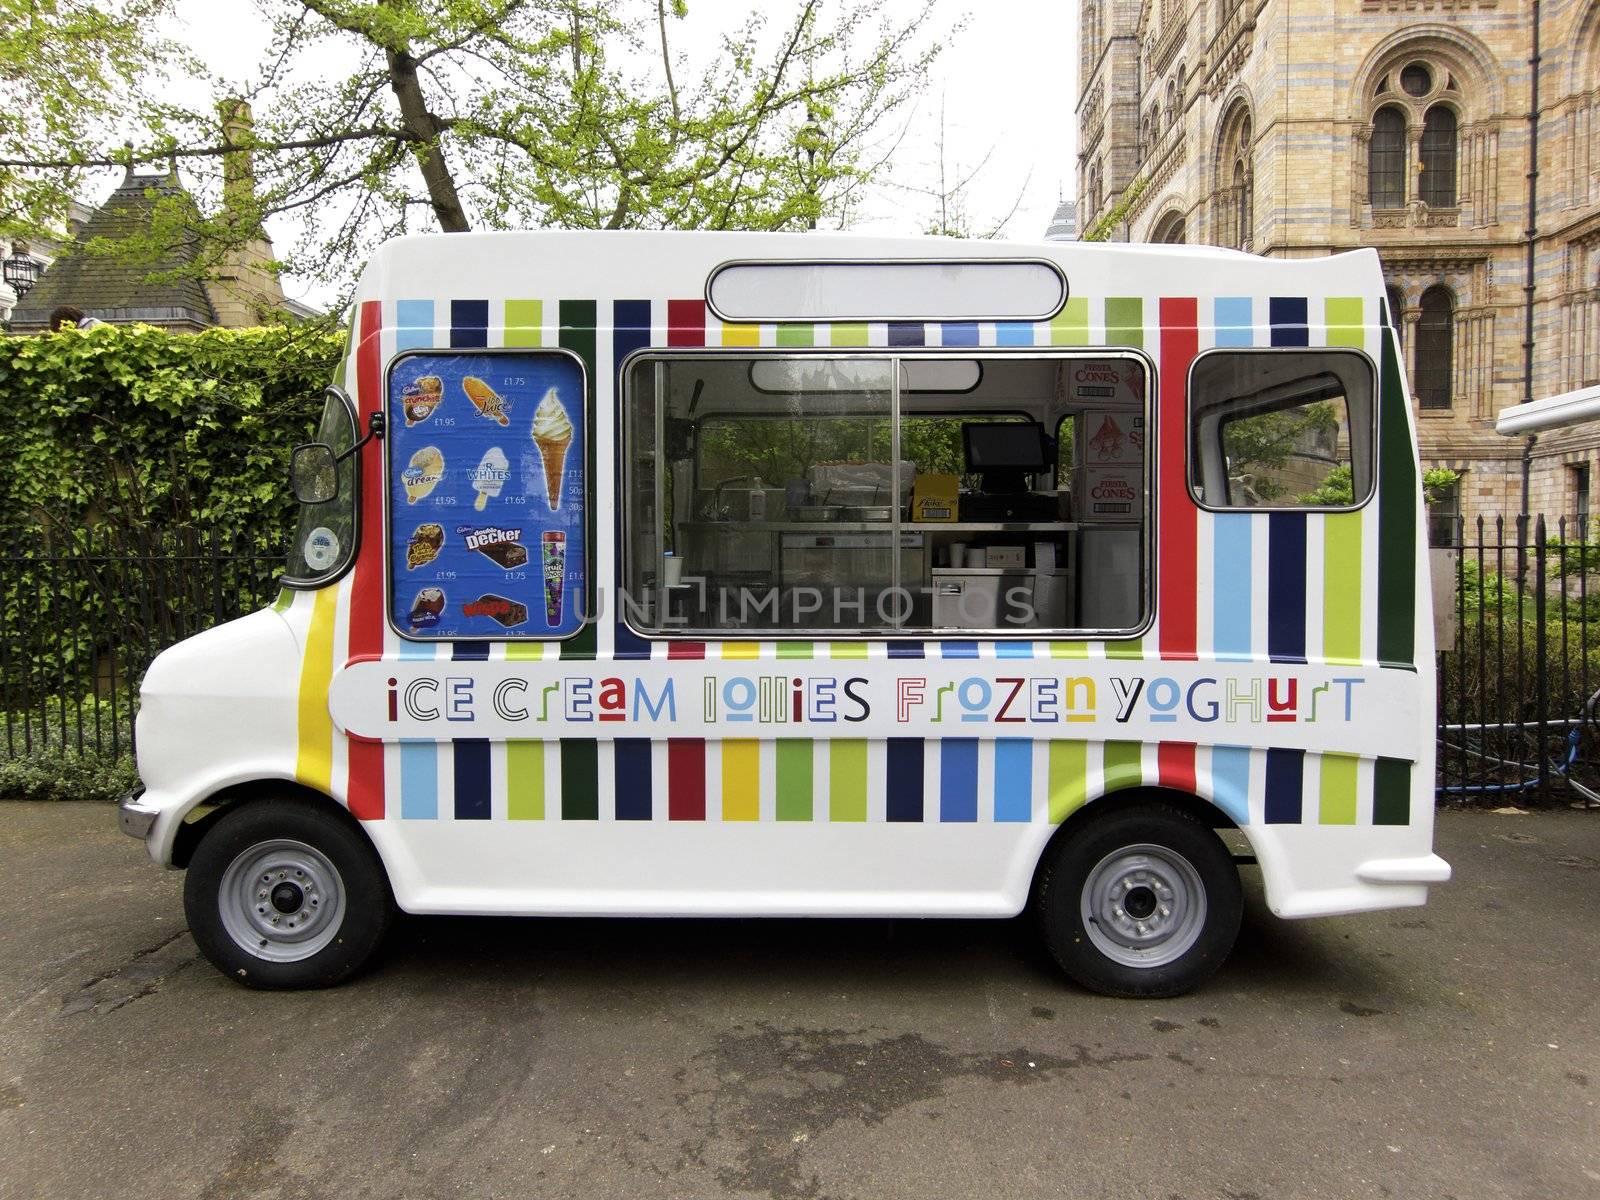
{"x": 885, "y": 526}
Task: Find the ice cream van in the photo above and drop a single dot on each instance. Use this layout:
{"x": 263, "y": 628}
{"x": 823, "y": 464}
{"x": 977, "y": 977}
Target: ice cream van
{"x": 694, "y": 574}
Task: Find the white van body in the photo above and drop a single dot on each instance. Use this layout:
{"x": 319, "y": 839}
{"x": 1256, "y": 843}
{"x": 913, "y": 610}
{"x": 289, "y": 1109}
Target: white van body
{"x": 621, "y": 747}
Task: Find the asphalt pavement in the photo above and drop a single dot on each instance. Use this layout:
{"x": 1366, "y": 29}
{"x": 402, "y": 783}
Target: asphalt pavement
{"x": 1449, "y": 1051}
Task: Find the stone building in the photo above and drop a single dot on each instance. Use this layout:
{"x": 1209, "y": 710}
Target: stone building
{"x": 1305, "y": 129}
{"x": 43, "y": 251}
{"x": 1063, "y": 223}
{"x": 166, "y": 287}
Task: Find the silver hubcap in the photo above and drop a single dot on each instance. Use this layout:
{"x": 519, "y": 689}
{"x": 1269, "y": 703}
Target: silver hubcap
{"x": 1144, "y": 906}
{"x": 282, "y": 900}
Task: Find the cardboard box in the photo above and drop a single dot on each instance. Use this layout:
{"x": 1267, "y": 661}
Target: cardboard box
{"x": 1006, "y": 558}
{"x": 1113, "y": 439}
{"x": 1111, "y": 494}
{"x": 935, "y": 498}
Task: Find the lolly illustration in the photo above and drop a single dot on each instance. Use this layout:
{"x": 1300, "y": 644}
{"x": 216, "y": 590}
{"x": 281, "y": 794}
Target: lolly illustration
{"x": 552, "y": 433}
{"x": 424, "y": 473}
{"x": 553, "y": 544}
{"x": 421, "y": 397}
{"x": 427, "y": 608}
{"x": 490, "y": 475}
{"x": 485, "y": 399}
{"x": 424, "y": 545}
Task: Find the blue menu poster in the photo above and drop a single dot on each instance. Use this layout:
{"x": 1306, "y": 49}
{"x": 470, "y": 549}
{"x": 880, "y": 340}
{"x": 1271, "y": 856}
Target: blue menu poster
{"x": 486, "y": 495}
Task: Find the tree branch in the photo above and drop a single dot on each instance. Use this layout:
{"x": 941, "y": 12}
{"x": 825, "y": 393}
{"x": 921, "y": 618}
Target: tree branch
{"x": 331, "y": 139}
{"x": 666, "y": 60}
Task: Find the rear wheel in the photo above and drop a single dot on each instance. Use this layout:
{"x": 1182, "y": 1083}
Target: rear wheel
{"x": 1141, "y": 901}
{"x": 284, "y": 894}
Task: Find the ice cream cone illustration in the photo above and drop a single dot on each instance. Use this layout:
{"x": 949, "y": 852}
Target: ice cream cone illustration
{"x": 485, "y": 399}
{"x": 552, "y": 433}
{"x": 490, "y": 476}
{"x": 423, "y": 474}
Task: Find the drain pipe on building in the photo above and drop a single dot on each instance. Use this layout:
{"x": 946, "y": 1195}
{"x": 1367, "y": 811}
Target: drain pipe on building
{"x": 1528, "y": 292}
{"x": 1528, "y": 286}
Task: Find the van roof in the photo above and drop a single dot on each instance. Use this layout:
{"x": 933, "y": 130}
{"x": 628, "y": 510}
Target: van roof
{"x": 649, "y": 264}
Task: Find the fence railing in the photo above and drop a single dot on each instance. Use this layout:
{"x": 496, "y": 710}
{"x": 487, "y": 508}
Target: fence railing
{"x": 1514, "y": 685}
{"x": 85, "y": 610}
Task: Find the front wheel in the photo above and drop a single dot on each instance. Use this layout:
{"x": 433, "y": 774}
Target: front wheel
{"x": 284, "y": 894}
{"x": 1142, "y": 901}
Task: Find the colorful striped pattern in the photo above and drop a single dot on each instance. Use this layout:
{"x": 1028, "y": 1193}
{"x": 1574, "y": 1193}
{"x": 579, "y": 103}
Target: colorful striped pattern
{"x": 1286, "y": 587}
{"x": 936, "y": 780}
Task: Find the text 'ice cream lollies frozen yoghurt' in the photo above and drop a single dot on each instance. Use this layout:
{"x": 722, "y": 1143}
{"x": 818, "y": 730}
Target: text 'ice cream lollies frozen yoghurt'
{"x": 552, "y": 433}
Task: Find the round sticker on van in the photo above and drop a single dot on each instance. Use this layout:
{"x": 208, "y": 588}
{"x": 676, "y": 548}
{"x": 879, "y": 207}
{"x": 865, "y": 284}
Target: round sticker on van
{"x": 321, "y": 548}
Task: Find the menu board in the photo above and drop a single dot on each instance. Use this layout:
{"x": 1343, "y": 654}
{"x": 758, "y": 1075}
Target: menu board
{"x": 486, "y": 495}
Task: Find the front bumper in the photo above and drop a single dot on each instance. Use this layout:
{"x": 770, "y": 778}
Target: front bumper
{"x": 134, "y": 818}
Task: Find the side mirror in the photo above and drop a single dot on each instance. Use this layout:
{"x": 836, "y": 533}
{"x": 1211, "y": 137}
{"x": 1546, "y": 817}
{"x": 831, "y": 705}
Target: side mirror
{"x": 314, "y": 473}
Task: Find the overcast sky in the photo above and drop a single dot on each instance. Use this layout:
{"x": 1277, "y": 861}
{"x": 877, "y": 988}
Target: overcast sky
{"x": 1007, "y": 82}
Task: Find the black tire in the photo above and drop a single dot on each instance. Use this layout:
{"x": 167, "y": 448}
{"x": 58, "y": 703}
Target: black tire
{"x": 316, "y": 857}
{"x": 1071, "y": 863}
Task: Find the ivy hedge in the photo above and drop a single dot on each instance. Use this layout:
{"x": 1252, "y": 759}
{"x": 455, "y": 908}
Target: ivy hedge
{"x": 146, "y": 497}
{"x": 139, "y": 430}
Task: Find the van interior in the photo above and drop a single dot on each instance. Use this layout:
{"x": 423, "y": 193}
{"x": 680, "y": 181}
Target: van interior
{"x": 832, "y": 493}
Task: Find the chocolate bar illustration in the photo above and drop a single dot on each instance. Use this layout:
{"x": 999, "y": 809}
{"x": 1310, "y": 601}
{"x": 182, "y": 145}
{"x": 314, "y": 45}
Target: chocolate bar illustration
{"x": 507, "y": 554}
{"x": 496, "y": 608}
{"x": 503, "y": 546}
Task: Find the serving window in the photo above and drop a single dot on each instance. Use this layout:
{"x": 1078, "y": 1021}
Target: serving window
{"x": 776, "y": 494}
{"x": 487, "y": 495}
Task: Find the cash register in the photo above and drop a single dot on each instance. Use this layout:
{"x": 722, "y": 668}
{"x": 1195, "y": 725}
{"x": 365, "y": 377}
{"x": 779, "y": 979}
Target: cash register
{"x": 1006, "y": 455}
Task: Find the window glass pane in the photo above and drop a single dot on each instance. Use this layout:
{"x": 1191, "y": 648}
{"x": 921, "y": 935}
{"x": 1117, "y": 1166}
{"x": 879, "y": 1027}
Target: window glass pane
{"x": 1387, "y": 159}
{"x": 1281, "y": 429}
{"x": 1438, "y": 183}
{"x": 1435, "y": 349}
{"x": 324, "y": 536}
{"x": 1444, "y": 512}
{"x": 808, "y": 509}
{"x": 487, "y": 495}
{"x": 771, "y": 507}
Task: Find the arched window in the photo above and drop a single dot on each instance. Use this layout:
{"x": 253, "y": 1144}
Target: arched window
{"x": 1094, "y": 192}
{"x": 1090, "y": 39}
{"x": 1234, "y": 208}
{"x": 1172, "y": 103}
{"x": 1397, "y": 307}
{"x": 1169, "y": 229}
{"x": 1438, "y": 186}
{"x": 1386, "y": 159}
{"x": 1435, "y": 348}
{"x": 1244, "y": 202}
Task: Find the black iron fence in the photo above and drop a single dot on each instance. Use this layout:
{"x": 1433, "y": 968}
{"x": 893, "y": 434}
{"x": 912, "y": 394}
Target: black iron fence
{"x": 1516, "y": 679}
{"x": 85, "y": 610}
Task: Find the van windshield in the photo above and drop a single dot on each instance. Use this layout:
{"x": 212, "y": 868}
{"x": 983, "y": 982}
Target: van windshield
{"x": 324, "y": 536}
